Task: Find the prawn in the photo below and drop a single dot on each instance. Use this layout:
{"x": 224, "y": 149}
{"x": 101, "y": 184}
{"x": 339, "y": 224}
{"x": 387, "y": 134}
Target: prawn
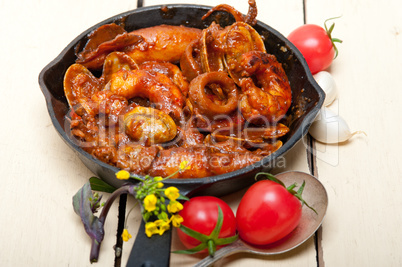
{"x": 266, "y": 93}
{"x": 156, "y": 87}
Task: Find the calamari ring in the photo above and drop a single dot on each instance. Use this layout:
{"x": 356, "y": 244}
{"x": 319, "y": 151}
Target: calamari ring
{"x": 203, "y": 103}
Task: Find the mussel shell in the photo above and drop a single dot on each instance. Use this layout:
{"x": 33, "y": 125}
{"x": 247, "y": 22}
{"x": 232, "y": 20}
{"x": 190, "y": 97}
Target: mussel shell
{"x": 251, "y": 137}
{"x": 253, "y": 133}
{"x": 269, "y": 132}
{"x": 149, "y": 126}
{"x": 79, "y": 83}
{"x": 240, "y": 38}
{"x": 116, "y": 61}
{"x": 211, "y": 55}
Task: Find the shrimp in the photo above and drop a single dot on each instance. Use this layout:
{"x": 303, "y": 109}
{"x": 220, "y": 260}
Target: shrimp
{"x": 80, "y": 85}
{"x": 170, "y": 70}
{"x": 136, "y": 157}
{"x": 266, "y": 93}
{"x": 156, "y": 87}
{"x": 202, "y": 162}
{"x": 168, "y": 162}
{"x": 221, "y": 163}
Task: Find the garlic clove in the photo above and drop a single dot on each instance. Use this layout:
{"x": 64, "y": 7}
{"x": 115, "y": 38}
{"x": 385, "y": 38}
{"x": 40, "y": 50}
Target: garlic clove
{"x": 330, "y": 128}
{"x": 327, "y": 83}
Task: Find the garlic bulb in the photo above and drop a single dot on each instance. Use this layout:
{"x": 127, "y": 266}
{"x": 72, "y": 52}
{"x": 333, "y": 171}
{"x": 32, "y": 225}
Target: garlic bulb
{"x": 327, "y": 83}
{"x": 330, "y": 128}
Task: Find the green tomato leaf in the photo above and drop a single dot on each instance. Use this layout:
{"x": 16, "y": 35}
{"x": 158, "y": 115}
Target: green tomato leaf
{"x": 331, "y": 28}
{"x": 270, "y": 177}
{"x": 101, "y": 186}
{"x": 210, "y": 241}
{"x": 181, "y": 197}
{"x": 299, "y": 193}
{"x": 227, "y": 240}
{"x": 215, "y": 233}
{"x": 194, "y": 250}
{"x": 336, "y": 40}
{"x": 197, "y": 235}
{"x": 82, "y": 207}
{"x": 329, "y": 33}
{"x": 291, "y": 187}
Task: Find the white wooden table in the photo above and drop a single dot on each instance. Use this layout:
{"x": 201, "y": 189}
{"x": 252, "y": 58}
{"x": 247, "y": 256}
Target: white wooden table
{"x": 40, "y": 174}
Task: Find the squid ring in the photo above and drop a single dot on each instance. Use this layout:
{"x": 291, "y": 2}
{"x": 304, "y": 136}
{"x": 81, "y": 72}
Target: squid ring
{"x": 204, "y": 103}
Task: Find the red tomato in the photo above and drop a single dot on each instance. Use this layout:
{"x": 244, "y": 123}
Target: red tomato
{"x": 315, "y": 44}
{"x": 201, "y": 214}
{"x": 266, "y": 213}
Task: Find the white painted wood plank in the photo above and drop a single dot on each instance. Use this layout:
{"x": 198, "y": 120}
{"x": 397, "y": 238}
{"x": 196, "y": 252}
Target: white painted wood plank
{"x": 362, "y": 176}
{"x": 40, "y": 174}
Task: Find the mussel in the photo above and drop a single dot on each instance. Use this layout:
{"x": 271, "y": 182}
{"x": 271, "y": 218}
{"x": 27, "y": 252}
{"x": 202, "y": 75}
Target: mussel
{"x": 149, "y": 126}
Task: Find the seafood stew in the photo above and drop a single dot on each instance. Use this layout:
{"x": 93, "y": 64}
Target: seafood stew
{"x": 165, "y": 91}
{"x": 213, "y": 137}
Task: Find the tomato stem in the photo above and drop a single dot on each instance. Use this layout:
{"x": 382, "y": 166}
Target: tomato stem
{"x": 210, "y": 242}
{"x": 299, "y": 196}
{"x": 290, "y": 188}
{"x": 211, "y": 247}
{"x": 269, "y": 177}
{"x": 329, "y": 33}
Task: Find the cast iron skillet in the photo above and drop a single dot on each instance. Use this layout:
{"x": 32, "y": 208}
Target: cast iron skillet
{"x": 307, "y": 99}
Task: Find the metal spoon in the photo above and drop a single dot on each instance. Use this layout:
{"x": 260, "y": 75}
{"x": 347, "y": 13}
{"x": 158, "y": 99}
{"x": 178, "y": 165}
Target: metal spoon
{"x": 314, "y": 194}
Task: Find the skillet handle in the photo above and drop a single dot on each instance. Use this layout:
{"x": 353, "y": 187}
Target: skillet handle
{"x": 150, "y": 252}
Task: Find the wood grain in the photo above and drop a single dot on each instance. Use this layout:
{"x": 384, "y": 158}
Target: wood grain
{"x": 363, "y": 174}
{"x": 40, "y": 174}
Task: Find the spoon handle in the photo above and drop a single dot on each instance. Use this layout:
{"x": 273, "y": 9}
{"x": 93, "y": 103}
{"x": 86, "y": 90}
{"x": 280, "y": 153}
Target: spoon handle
{"x": 233, "y": 248}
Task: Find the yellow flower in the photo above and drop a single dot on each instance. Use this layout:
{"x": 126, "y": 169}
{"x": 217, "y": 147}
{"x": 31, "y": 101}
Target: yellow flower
{"x": 151, "y": 229}
{"x": 176, "y": 220}
{"x": 174, "y": 206}
{"x": 150, "y": 202}
{"x": 125, "y": 235}
{"x": 157, "y": 179}
{"x": 122, "y": 175}
{"x": 163, "y": 226}
{"x": 172, "y": 193}
{"x": 184, "y": 165}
